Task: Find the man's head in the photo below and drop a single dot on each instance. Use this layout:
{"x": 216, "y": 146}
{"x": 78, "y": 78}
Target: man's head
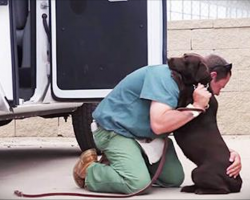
{"x": 220, "y": 71}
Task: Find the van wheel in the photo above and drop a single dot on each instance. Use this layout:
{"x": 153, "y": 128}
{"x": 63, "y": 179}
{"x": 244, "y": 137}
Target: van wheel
{"x": 81, "y": 120}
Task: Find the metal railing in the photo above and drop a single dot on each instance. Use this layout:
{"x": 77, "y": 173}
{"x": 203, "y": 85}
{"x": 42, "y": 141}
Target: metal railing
{"x": 207, "y": 9}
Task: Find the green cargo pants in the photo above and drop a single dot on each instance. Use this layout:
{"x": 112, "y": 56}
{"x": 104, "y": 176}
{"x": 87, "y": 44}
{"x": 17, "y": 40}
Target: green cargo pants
{"x": 128, "y": 170}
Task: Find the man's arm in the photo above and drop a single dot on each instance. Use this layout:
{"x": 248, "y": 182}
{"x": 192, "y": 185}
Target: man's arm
{"x": 163, "y": 119}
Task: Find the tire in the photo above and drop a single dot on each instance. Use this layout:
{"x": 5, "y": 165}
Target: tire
{"x": 81, "y": 119}
{"x": 5, "y": 122}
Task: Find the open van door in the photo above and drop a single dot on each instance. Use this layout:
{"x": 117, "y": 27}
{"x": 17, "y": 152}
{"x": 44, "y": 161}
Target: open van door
{"x": 6, "y": 84}
{"x": 97, "y": 43}
{"x": 4, "y": 105}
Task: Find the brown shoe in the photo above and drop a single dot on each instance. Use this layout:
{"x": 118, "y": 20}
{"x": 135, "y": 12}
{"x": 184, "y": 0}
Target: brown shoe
{"x": 79, "y": 172}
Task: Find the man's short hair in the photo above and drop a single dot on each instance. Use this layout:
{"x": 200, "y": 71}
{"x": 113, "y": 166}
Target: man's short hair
{"x": 219, "y": 65}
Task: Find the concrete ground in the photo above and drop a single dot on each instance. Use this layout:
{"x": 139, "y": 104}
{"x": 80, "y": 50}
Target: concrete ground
{"x": 41, "y": 165}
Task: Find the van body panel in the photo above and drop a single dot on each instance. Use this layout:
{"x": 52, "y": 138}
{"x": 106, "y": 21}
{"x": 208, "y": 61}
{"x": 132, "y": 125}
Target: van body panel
{"x": 39, "y": 109}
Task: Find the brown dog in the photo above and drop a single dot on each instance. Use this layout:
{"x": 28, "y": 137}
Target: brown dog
{"x": 200, "y": 139}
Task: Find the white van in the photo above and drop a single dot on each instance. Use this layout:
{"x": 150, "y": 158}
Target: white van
{"x": 61, "y": 57}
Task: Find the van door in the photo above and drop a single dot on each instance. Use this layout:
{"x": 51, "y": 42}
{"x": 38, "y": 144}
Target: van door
{"x": 6, "y": 75}
{"x": 97, "y": 43}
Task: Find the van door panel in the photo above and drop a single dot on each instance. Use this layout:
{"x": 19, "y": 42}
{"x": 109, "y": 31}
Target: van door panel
{"x": 96, "y": 43}
{"x": 5, "y": 51}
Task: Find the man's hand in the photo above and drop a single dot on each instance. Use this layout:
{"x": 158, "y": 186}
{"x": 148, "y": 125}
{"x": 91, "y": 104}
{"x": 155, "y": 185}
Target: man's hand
{"x": 234, "y": 169}
{"x": 201, "y": 97}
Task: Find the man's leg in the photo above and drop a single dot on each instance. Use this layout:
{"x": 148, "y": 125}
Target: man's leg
{"x": 127, "y": 171}
{"x": 172, "y": 174}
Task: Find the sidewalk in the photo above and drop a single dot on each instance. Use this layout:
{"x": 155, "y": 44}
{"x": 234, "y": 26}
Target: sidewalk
{"x": 41, "y": 165}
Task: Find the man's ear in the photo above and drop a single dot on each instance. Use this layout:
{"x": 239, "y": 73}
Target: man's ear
{"x": 213, "y": 75}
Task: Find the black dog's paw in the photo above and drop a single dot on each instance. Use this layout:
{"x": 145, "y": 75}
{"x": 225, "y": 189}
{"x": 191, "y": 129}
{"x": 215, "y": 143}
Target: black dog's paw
{"x": 211, "y": 191}
{"x": 189, "y": 189}
{"x": 201, "y": 191}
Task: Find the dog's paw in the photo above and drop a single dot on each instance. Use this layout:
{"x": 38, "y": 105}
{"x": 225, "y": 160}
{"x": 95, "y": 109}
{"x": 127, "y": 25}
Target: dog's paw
{"x": 211, "y": 191}
{"x": 201, "y": 191}
{"x": 189, "y": 189}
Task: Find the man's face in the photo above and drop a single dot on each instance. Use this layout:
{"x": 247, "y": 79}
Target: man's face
{"x": 219, "y": 84}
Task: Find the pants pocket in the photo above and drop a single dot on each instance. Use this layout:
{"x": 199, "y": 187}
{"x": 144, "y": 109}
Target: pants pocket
{"x": 102, "y": 138}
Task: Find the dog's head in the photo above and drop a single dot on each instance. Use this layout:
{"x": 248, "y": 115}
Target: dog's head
{"x": 192, "y": 69}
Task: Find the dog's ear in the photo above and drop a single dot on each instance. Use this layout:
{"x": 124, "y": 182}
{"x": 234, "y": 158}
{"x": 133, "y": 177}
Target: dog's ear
{"x": 199, "y": 71}
{"x": 202, "y": 74}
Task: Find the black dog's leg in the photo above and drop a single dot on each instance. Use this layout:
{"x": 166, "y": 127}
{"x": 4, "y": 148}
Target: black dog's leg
{"x": 189, "y": 189}
{"x": 208, "y": 181}
{"x": 235, "y": 184}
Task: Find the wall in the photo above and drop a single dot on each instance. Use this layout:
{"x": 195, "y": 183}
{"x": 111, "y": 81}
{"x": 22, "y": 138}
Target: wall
{"x": 231, "y": 40}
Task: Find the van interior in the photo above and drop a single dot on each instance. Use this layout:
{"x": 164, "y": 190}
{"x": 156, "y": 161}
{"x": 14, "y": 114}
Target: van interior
{"x": 24, "y": 32}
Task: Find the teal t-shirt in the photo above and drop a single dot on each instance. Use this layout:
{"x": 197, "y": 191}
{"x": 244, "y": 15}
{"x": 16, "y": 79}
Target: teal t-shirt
{"x": 126, "y": 109}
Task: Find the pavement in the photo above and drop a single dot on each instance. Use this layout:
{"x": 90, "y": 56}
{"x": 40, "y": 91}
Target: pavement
{"x": 42, "y": 165}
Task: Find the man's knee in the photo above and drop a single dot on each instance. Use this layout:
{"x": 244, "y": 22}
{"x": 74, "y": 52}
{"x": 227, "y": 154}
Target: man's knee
{"x": 178, "y": 179}
{"x": 138, "y": 183}
{"x": 175, "y": 179}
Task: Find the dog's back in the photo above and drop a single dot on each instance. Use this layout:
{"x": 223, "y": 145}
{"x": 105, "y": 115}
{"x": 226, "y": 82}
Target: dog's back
{"x": 200, "y": 139}
{"x": 201, "y": 142}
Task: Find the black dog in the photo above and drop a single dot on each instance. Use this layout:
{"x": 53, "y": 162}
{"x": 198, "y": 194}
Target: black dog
{"x": 200, "y": 139}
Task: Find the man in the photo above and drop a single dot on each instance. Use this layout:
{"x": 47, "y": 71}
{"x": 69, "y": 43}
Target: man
{"x": 141, "y": 106}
